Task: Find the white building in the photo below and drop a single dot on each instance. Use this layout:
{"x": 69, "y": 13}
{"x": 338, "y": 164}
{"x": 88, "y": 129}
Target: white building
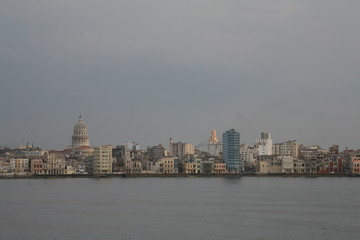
{"x": 80, "y": 135}
{"x": 264, "y": 145}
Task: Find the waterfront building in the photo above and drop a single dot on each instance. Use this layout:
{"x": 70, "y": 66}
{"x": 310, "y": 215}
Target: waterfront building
{"x": 269, "y": 164}
{"x": 311, "y": 165}
{"x": 20, "y": 165}
{"x": 54, "y": 163}
{"x": 180, "y": 149}
{"x": 167, "y": 165}
{"x": 299, "y": 165}
{"x": 102, "y": 160}
{"x": 187, "y": 167}
{"x": 69, "y": 170}
{"x": 219, "y": 167}
{"x": 287, "y": 163}
{"x": 264, "y": 144}
{"x": 355, "y": 163}
{"x": 231, "y": 151}
{"x": 5, "y": 165}
{"x": 120, "y": 152}
{"x": 37, "y": 166}
{"x": 215, "y": 146}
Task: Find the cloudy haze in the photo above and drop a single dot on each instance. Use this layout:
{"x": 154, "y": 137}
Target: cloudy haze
{"x": 149, "y": 70}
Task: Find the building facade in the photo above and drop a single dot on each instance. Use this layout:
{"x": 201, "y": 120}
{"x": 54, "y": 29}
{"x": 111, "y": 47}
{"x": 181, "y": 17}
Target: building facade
{"x": 180, "y": 149}
{"x": 264, "y": 144}
{"x": 231, "y": 151}
{"x": 102, "y": 160}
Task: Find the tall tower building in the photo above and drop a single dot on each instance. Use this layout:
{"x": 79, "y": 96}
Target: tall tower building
{"x": 231, "y": 151}
{"x": 80, "y": 135}
{"x": 102, "y": 160}
{"x": 214, "y": 146}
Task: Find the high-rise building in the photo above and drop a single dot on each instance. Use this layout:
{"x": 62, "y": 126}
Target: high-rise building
{"x": 102, "y": 160}
{"x": 180, "y": 149}
{"x": 214, "y": 146}
{"x": 264, "y": 145}
{"x": 80, "y": 136}
{"x": 290, "y": 147}
{"x": 231, "y": 151}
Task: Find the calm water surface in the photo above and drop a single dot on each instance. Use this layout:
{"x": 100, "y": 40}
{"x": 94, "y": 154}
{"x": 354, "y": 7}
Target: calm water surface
{"x": 180, "y": 208}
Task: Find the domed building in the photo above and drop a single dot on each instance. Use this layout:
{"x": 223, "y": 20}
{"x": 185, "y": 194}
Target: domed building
{"x": 80, "y": 136}
{"x": 80, "y": 139}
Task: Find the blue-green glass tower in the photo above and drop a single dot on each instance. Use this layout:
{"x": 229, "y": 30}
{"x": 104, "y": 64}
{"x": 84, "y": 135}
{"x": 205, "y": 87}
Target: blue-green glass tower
{"x": 231, "y": 151}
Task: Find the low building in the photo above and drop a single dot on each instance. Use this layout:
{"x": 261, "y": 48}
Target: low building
{"x": 355, "y": 163}
{"x": 219, "y": 168}
{"x": 287, "y": 163}
{"x": 54, "y": 163}
{"x": 269, "y": 164}
{"x": 37, "y": 166}
{"x": 20, "y": 165}
{"x": 299, "y": 166}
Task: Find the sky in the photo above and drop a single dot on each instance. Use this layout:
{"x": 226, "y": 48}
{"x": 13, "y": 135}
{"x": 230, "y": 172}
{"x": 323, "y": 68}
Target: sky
{"x": 148, "y": 70}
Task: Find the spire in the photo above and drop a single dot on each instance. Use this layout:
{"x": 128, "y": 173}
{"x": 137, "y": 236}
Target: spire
{"x": 213, "y": 138}
{"x": 80, "y": 118}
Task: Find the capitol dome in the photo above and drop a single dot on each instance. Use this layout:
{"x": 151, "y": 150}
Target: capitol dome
{"x": 80, "y": 135}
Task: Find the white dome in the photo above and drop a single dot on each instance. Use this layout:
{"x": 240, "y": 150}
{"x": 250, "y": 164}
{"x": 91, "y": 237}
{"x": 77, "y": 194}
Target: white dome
{"x": 80, "y": 125}
{"x": 80, "y": 136}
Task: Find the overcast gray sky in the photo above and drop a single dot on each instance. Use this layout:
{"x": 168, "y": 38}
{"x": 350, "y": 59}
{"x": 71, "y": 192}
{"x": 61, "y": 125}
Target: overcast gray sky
{"x": 148, "y": 70}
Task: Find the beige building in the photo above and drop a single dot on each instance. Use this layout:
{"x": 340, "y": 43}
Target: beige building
{"x": 20, "y": 165}
{"x": 69, "y": 170}
{"x": 269, "y": 164}
{"x": 355, "y": 163}
{"x": 102, "y": 160}
{"x": 54, "y": 163}
{"x": 167, "y": 165}
{"x": 290, "y": 147}
{"x": 187, "y": 167}
{"x": 219, "y": 168}
{"x": 37, "y": 166}
{"x": 180, "y": 149}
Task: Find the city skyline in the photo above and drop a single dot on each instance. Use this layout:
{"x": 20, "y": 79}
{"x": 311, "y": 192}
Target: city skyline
{"x": 149, "y": 71}
{"x": 202, "y": 146}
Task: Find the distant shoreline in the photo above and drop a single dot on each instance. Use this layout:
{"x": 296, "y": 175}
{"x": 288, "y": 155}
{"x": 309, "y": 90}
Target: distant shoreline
{"x": 176, "y": 175}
